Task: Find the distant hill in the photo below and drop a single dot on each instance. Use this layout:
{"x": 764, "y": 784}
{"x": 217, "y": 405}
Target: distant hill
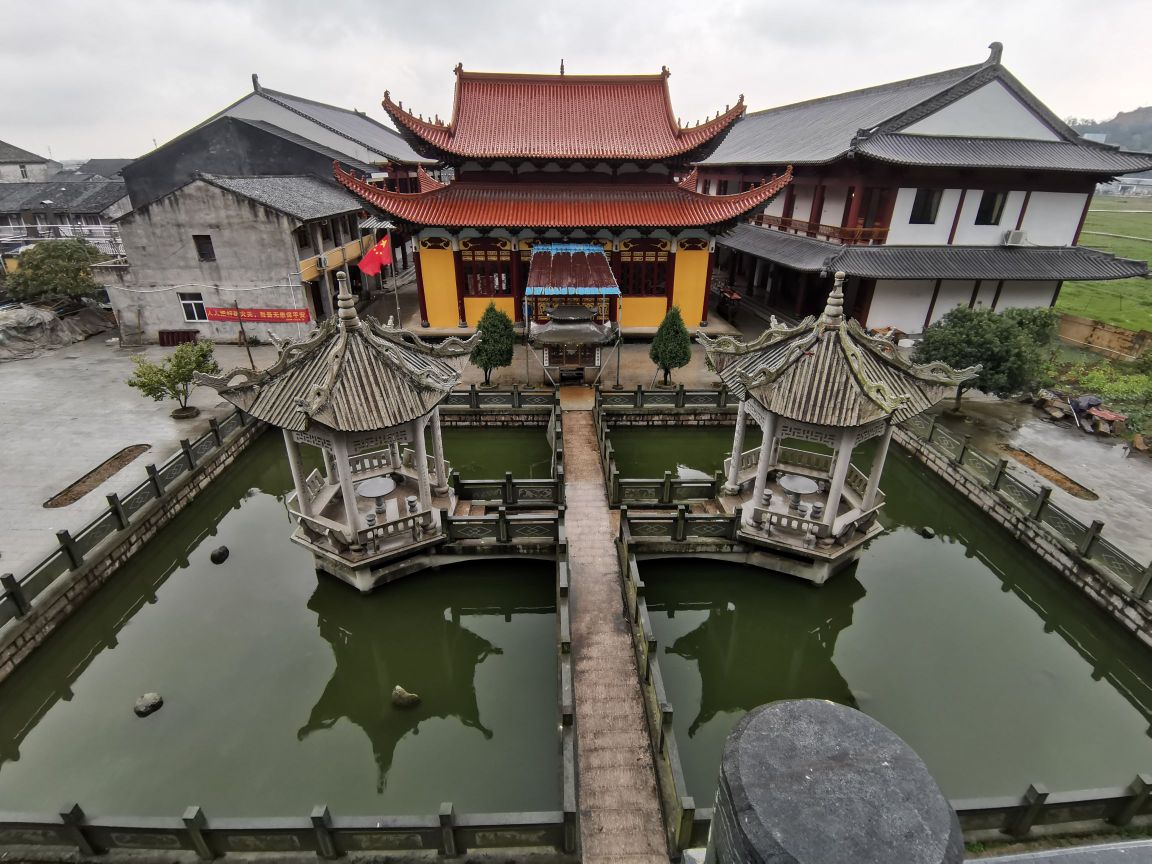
{"x": 1131, "y": 130}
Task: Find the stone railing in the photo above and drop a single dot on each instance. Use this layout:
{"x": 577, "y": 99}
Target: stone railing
{"x": 516, "y": 398}
{"x": 511, "y": 492}
{"x": 681, "y": 526}
{"x": 679, "y": 397}
{"x": 503, "y": 528}
{"x": 18, "y": 594}
{"x": 685, "y": 826}
{"x": 1083, "y": 541}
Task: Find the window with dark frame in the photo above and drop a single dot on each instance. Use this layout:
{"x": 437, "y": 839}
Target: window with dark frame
{"x": 193, "y": 306}
{"x": 204, "y": 250}
{"x": 487, "y": 265}
{"x": 721, "y": 187}
{"x": 706, "y": 189}
{"x": 644, "y": 269}
{"x": 325, "y": 232}
{"x": 925, "y": 207}
{"x": 991, "y": 207}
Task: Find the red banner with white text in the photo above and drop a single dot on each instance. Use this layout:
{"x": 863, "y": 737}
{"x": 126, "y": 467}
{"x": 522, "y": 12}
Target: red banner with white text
{"x": 283, "y": 316}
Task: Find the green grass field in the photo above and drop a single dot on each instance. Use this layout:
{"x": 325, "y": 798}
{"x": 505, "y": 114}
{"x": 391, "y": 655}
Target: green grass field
{"x": 1121, "y": 302}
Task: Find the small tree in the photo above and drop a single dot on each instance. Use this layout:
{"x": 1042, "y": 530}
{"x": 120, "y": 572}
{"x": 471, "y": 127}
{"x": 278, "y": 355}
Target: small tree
{"x": 497, "y": 339}
{"x": 55, "y": 267}
{"x": 173, "y": 378}
{"x": 672, "y": 346}
{"x": 1003, "y": 345}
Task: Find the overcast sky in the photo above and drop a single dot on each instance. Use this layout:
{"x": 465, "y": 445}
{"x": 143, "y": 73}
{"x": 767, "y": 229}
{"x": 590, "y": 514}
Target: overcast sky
{"x": 106, "y": 79}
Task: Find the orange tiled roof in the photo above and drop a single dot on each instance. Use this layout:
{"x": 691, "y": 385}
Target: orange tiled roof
{"x": 509, "y": 116}
{"x": 553, "y": 205}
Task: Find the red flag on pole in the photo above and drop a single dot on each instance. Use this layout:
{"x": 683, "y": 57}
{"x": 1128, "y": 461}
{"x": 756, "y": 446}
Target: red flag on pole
{"x": 376, "y": 257}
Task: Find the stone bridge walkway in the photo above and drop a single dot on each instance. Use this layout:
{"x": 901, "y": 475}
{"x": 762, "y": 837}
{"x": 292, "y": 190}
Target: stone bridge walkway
{"x": 620, "y": 821}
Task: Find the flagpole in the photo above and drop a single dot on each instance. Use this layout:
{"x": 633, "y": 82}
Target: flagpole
{"x": 395, "y": 286}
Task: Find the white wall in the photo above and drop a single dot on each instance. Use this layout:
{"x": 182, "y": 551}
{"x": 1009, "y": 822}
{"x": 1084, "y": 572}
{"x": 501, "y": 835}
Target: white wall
{"x": 1026, "y": 295}
{"x": 953, "y": 293}
{"x": 986, "y": 294}
{"x": 802, "y": 209}
{"x": 992, "y": 111}
{"x": 834, "y": 198}
{"x": 1052, "y": 217}
{"x": 36, "y": 171}
{"x": 776, "y": 205}
{"x": 968, "y": 233}
{"x": 901, "y": 232}
{"x": 900, "y": 303}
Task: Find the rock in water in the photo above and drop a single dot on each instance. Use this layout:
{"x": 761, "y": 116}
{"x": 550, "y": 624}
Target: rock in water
{"x": 219, "y": 555}
{"x": 147, "y": 704}
{"x": 927, "y": 532}
{"x": 401, "y": 698}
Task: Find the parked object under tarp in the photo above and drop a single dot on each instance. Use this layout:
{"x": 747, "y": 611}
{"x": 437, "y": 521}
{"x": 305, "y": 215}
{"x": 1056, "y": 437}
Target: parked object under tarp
{"x": 28, "y": 331}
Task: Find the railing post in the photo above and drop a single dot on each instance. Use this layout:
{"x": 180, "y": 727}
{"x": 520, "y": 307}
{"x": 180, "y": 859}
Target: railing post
{"x": 445, "y": 524}
{"x": 737, "y": 519}
{"x": 1089, "y": 536}
{"x": 515, "y": 395}
{"x": 448, "y": 830}
{"x": 722, "y": 396}
{"x": 1034, "y": 800}
{"x": 687, "y": 817}
{"x": 64, "y": 538}
{"x": 186, "y": 446}
{"x": 73, "y": 819}
{"x": 194, "y": 823}
{"x": 13, "y": 590}
{"x": 116, "y": 508}
{"x": 1140, "y": 789}
{"x": 679, "y": 395}
{"x": 1041, "y": 502}
{"x": 963, "y": 449}
{"x": 154, "y": 479}
{"x": 639, "y": 396}
{"x": 502, "y": 525}
{"x": 509, "y": 492}
{"x": 666, "y": 489}
{"x": 322, "y": 824}
{"x": 680, "y": 529}
{"x": 614, "y": 485}
{"x": 454, "y": 481}
{"x": 1143, "y": 588}
{"x": 1001, "y": 469}
{"x": 473, "y": 397}
{"x": 214, "y": 427}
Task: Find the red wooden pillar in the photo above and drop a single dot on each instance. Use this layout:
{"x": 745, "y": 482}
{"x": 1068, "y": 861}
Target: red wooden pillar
{"x": 614, "y": 304}
{"x": 956, "y": 218}
{"x": 458, "y": 263}
{"x": 1024, "y": 209}
{"x": 817, "y": 208}
{"x": 420, "y": 290}
{"x": 851, "y": 221}
{"x": 517, "y": 287}
{"x": 670, "y": 275}
{"x": 789, "y": 201}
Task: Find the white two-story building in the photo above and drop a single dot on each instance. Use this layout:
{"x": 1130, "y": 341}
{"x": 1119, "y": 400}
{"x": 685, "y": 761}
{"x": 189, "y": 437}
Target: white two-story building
{"x": 957, "y": 188}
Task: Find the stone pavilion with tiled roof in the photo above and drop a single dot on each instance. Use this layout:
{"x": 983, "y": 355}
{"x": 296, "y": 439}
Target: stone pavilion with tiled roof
{"x": 817, "y": 390}
{"x": 359, "y": 392}
{"x": 553, "y": 159}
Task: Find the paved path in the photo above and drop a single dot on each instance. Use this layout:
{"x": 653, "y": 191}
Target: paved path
{"x": 620, "y": 819}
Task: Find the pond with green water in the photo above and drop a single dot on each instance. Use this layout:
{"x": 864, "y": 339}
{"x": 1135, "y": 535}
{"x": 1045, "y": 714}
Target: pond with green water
{"x": 276, "y": 681}
{"x": 996, "y": 671}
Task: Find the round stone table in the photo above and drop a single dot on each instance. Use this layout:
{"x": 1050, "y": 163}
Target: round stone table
{"x": 812, "y": 782}
{"x": 796, "y": 485}
{"x": 376, "y": 487}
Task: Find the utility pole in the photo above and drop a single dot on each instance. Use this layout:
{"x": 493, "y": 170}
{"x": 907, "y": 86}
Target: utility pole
{"x": 243, "y": 335}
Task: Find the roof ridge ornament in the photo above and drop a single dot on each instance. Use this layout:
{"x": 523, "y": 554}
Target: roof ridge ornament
{"x": 346, "y": 304}
{"x": 996, "y": 51}
{"x": 834, "y": 310}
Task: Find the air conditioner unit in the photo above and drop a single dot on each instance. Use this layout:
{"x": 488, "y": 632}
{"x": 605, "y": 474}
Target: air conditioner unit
{"x": 322, "y": 262}
{"x": 1015, "y": 238}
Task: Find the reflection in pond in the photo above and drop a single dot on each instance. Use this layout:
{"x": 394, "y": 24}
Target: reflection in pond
{"x": 993, "y": 668}
{"x": 276, "y": 682}
{"x": 485, "y": 454}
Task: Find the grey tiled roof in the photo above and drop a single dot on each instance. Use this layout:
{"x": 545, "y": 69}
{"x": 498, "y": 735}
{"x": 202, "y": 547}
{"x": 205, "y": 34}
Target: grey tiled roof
{"x": 821, "y": 130}
{"x": 932, "y": 262}
{"x": 302, "y": 196}
{"x": 334, "y": 155}
{"x": 109, "y": 168}
{"x": 1001, "y": 153}
{"x": 353, "y": 125}
{"x": 10, "y": 153}
{"x": 67, "y": 196}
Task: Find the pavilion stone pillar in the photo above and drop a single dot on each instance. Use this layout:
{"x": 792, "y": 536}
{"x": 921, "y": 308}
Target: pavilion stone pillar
{"x": 394, "y": 455}
{"x": 329, "y": 467}
{"x": 732, "y": 487}
{"x": 438, "y": 454}
{"x": 293, "y": 448}
{"x": 839, "y": 475}
{"x": 764, "y": 464}
{"x": 877, "y": 467}
{"x": 347, "y": 488}
{"x": 808, "y": 781}
{"x": 421, "y": 466}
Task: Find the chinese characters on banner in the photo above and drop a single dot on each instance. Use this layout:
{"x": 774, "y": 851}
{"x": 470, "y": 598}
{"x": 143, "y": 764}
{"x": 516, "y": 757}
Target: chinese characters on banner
{"x": 283, "y": 316}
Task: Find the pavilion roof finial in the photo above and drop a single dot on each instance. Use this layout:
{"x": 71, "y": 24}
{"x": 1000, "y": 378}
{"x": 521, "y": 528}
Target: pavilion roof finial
{"x": 346, "y": 304}
{"x": 834, "y": 310}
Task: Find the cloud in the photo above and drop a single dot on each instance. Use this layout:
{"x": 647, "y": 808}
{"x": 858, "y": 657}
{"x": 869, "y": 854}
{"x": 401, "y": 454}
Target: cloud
{"x": 106, "y": 79}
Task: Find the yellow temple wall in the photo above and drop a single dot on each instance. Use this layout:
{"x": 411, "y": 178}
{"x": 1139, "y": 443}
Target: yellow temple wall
{"x": 474, "y": 307}
{"x": 438, "y": 275}
{"x": 642, "y": 311}
{"x": 689, "y": 284}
